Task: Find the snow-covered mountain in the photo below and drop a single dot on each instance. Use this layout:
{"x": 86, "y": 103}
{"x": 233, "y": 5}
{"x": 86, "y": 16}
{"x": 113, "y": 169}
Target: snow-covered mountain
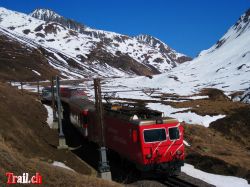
{"x": 246, "y": 96}
{"x": 226, "y": 66}
{"x": 79, "y": 51}
{"x": 51, "y": 16}
{"x": 171, "y": 55}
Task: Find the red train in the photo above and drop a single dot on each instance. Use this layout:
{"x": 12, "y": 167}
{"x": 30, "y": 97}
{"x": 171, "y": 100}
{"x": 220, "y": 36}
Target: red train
{"x": 153, "y": 143}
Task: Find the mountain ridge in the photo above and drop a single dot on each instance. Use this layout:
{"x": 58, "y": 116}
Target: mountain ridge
{"x": 83, "y": 51}
{"x": 164, "y": 48}
{"x": 50, "y": 15}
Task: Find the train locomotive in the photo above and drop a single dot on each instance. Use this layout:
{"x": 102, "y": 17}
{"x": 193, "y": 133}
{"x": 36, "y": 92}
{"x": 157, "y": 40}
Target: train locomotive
{"x": 142, "y": 136}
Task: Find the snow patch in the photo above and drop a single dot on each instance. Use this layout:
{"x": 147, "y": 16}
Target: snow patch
{"x": 50, "y": 115}
{"x": 188, "y": 117}
{"x": 36, "y": 72}
{"x": 217, "y": 180}
{"x": 198, "y": 97}
{"x": 62, "y": 165}
{"x": 186, "y": 143}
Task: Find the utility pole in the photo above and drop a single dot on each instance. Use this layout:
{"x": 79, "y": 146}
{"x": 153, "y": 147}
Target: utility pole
{"x": 55, "y": 122}
{"x": 104, "y": 169}
{"x": 62, "y": 141}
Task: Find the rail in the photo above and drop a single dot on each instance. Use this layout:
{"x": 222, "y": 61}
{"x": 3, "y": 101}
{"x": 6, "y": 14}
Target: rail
{"x": 176, "y": 182}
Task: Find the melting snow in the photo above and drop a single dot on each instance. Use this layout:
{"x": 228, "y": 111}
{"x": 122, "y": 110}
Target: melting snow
{"x": 36, "y": 72}
{"x": 217, "y": 180}
{"x": 62, "y": 165}
{"x": 186, "y": 143}
{"x": 50, "y": 115}
{"x": 198, "y": 97}
{"x": 188, "y": 117}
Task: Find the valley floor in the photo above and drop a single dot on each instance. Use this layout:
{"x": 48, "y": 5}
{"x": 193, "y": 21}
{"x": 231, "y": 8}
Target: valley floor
{"x": 218, "y": 145}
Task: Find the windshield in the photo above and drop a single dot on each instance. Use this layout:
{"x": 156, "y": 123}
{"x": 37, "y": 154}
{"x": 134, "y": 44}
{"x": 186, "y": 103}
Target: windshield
{"x": 174, "y": 133}
{"x": 154, "y": 135}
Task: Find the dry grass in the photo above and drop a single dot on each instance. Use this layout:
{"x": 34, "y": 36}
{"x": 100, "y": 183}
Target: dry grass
{"x": 217, "y": 103}
{"x": 222, "y": 148}
{"x": 12, "y": 161}
{"x": 17, "y": 62}
{"x": 211, "y": 151}
{"x": 28, "y": 145}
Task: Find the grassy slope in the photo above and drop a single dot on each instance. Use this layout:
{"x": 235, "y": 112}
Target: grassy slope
{"x": 28, "y": 145}
{"x": 18, "y": 60}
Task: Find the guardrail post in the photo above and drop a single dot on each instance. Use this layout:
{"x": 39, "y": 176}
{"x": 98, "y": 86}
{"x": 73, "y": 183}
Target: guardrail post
{"x": 104, "y": 168}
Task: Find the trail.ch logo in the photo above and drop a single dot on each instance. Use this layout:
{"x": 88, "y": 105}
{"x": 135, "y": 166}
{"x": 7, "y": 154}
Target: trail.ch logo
{"x": 23, "y": 179}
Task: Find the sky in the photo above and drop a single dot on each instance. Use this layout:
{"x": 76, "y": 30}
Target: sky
{"x": 188, "y": 26}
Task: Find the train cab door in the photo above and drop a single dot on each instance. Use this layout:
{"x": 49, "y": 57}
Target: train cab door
{"x": 135, "y": 150}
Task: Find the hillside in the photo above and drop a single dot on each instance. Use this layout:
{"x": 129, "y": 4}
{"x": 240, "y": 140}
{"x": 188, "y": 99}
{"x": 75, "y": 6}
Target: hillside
{"x": 27, "y": 144}
{"x": 76, "y": 51}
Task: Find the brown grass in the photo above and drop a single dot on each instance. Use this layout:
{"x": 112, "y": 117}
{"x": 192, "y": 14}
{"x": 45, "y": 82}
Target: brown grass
{"x": 27, "y": 144}
{"x": 17, "y": 62}
{"x": 217, "y": 103}
{"x": 12, "y": 161}
{"x": 211, "y": 151}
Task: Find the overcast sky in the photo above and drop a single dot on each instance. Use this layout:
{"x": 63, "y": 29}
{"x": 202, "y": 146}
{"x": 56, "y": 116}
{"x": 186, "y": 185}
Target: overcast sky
{"x": 188, "y": 26}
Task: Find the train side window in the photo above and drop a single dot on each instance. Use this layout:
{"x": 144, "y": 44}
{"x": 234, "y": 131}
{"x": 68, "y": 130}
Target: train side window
{"x": 174, "y": 133}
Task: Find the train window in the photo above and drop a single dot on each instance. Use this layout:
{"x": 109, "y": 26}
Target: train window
{"x": 85, "y": 119}
{"x": 174, "y": 133}
{"x": 154, "y": 135}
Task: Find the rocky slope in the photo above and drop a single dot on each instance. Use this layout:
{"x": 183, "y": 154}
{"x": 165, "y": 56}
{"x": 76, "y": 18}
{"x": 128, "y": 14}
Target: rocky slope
{"x": 77, "y": 51}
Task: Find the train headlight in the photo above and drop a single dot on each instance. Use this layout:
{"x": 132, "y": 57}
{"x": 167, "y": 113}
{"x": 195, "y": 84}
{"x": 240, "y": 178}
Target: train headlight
{"x": 148, "y": 156}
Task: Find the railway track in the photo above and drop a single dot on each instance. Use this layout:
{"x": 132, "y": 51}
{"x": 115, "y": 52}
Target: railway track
{"x": 176, "y": 182}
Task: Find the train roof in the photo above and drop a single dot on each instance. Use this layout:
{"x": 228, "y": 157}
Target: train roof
{"x": 136, "y": 114}
{"x": 142, "y": 122}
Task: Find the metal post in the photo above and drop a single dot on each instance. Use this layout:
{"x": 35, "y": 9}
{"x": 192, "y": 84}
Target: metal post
{"x": 104, "y": 169}
{"x": 62, "y": 141}
{"x": 38, "y": 88}
{"x": 55, "y": 123}
{"x": 22, "y": 86}
{"x": 53, "y": 98}
{"x": 99, "y": 109}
